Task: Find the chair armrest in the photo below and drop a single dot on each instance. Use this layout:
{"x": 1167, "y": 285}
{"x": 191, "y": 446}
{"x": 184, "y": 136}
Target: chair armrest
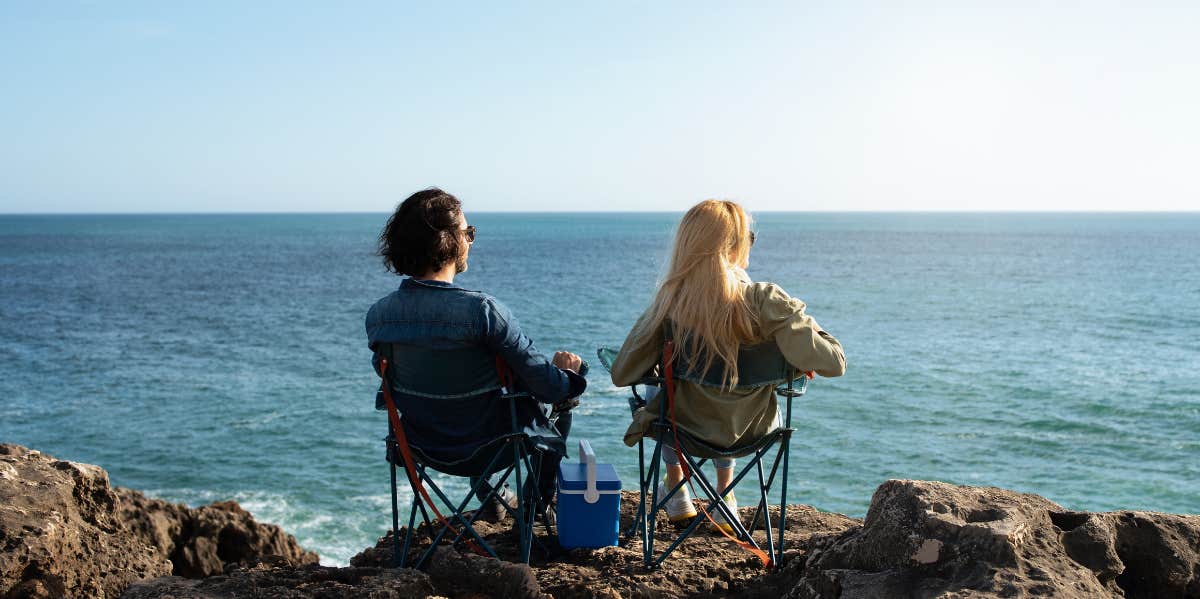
{"x": 606, "y": 356}
{"x": 799, "y": 387}
{"x": 636, "y": 402}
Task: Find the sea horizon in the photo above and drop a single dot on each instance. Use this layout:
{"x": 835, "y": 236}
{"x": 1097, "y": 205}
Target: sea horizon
{"x": 679, "y": 211}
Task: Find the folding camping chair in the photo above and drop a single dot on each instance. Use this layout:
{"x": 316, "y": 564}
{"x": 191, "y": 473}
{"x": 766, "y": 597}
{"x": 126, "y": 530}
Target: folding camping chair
{"x": 758, "y": 366}
{"x": 512, "y": 455}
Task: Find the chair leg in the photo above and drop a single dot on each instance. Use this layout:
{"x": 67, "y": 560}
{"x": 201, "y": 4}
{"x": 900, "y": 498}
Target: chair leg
{"x": 764, "y": 509}
{"x": 455, "y": 516}
{"x": 650, "y": 513}
{"x": 639, "y": 520}
{"x": 473, "y": 493}
{"x": 534, "y": 470}
{"x": 408, "y": 534}
{"x": 770, "y": 480}
{"x": 657, "y": 503}
{"x": 529, "y": 503}
{"x": 521, "y": 505}
{"x": 397, "y": 557}
{"x": 683, "y": 535}
{"x": 424, "y": 513}
{"x": 399, "y": 553}
{"x": 695, "y": 523}
{"x": 763, "y": 488}
{"x": 715, "y": 500}
{"x": 784, "y": 445}
{"x": 523, "y": 515}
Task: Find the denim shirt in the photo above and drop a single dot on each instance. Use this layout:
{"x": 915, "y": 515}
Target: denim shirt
{"x": 442, "y": 341}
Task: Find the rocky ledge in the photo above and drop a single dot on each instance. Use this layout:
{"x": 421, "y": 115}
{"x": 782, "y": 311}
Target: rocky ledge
{"x": 64, "y": 532}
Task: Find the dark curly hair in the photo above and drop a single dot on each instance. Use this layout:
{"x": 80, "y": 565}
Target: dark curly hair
{"x": 422, "y": 234}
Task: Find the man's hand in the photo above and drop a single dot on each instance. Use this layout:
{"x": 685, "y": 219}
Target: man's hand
{"x": 567, "y": 361}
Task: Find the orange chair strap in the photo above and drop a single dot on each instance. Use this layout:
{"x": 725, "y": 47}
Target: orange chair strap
{"x": 505, "y": 374}
{"x": 669, "y": 380}
{"x": 401, "y": 441}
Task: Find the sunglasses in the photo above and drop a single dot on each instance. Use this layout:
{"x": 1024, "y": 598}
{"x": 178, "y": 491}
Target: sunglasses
{"x": 753, "y": 237}
{"x": 470, "y": 233}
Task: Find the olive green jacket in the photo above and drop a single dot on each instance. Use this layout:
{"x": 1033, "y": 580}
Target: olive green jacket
{"x": 731, "y": 418}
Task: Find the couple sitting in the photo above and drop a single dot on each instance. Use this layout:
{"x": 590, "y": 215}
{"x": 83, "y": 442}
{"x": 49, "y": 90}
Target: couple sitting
{"x": 450, "y": 334}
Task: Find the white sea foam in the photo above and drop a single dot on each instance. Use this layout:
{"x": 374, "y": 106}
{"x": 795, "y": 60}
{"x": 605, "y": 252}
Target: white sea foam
{"x": 336, "y": 537}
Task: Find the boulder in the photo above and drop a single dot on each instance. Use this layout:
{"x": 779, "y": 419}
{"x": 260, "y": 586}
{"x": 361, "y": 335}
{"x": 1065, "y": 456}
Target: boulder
{"x": 1159, "y": 554}
{"x": 205, "y": 541}
{"x": 65, "y": 532}
{"x": 932, "y": 539}
{"x": 61, "y": 534}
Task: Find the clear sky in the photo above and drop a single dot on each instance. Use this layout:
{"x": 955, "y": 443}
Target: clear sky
{"x": 292, "y": 106}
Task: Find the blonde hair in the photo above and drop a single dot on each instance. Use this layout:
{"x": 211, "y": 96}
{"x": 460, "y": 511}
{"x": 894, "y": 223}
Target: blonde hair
{"x": 702, "y": 294}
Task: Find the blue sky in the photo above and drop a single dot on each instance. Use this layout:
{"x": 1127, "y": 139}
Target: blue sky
{"x": 292, "y": 106}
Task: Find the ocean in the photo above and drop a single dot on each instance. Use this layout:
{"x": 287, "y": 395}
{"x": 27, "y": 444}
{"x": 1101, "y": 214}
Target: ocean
{"x": 211, "y": 357}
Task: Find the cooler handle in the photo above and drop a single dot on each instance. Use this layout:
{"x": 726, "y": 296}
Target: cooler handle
{"x": 588, "y": 457}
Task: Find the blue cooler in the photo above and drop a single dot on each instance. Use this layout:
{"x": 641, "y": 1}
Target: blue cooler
{"x": 589, "y": 502}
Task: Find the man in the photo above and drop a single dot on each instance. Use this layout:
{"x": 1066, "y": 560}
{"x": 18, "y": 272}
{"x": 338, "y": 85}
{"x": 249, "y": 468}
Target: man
{"x": 442, "y": 341}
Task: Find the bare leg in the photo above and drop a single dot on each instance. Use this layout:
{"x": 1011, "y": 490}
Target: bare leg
{"x": 674, "y": 475}
{"x": 724, "y": 478}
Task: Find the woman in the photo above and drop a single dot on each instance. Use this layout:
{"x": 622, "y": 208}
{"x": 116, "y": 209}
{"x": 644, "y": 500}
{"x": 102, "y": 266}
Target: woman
{"x": 712, "y": 308}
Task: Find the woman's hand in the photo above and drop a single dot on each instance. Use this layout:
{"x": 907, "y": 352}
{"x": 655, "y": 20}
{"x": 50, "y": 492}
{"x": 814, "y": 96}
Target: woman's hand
{"x": 567, "y": 361}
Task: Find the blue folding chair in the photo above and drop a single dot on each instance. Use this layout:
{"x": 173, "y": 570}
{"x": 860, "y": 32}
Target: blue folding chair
{"x": 758, "y": 366}
{"x": 515, "y": 454}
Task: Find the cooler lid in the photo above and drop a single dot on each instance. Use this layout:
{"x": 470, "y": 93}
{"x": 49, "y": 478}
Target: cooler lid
{"x": 572, "y": 476}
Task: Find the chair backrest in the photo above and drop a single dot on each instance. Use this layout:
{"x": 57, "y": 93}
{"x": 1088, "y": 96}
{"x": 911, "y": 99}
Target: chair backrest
{"x": 438, "y": 396}
{"x": 440, "y": 374}
{"x": 758, "y": 365}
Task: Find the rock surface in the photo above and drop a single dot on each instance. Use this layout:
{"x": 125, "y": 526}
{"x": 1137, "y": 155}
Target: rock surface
{"x": 61, "y": 533}
{"x": 920, "y": 539}
{"x": 706, "y": 565}
{"x": 65, "y": 532}
{"x": 930, "y": 539}
{"x": 204, "y": 541}
{"x": 279, "y": 581}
